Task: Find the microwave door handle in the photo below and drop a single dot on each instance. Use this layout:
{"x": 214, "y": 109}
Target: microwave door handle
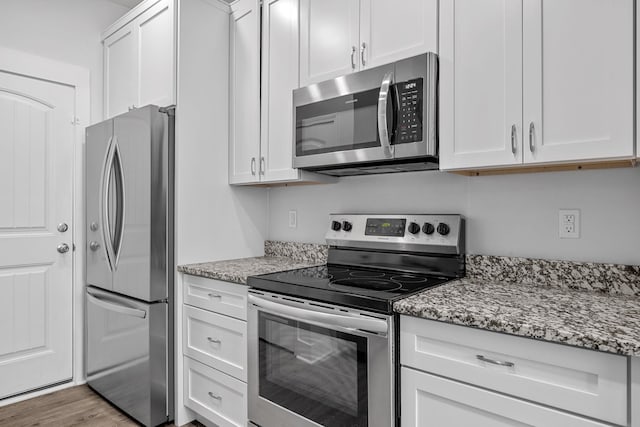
{"x": 323, "y": 319}
{"x": 383, "y": 128}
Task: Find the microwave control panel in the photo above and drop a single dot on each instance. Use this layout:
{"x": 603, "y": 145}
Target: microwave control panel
{"x": 409, "y": 111}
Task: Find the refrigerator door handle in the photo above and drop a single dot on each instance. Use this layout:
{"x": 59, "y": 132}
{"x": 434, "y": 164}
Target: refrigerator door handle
{"x": 120, "y": 200}
{"x": 117, "y": 308}
{"x": 104, "y": 203}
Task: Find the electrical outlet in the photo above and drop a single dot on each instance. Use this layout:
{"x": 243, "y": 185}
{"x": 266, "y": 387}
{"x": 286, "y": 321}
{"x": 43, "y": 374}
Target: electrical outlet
{"x": 569, "y": 223}
{"x": 293, "y": 219}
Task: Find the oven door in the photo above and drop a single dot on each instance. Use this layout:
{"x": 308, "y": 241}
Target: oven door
{"x": 315, "y": 365}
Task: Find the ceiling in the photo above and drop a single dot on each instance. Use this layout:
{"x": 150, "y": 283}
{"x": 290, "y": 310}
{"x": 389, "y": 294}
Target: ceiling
{"x": 127, "y": 3}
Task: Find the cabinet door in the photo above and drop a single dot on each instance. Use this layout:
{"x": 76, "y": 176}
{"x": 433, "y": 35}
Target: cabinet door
{"x": 481, "y": 83}
{"x": 396, "y": 29}
{"x": 156, "y": 47}
{"x": 578, "y": 80}
{"x": 329, "y": 35}
{"x": 279, "y": 79}
{"x": 120, "y": 70}
{"x": 244, "y": 126}
{"x": 428, "y": 401}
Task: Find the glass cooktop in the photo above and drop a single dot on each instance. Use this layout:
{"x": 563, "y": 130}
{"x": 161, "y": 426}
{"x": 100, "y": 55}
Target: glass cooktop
{"x": 353, "y": 287}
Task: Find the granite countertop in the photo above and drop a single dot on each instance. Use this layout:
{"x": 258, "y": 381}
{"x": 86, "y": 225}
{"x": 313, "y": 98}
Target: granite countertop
{"x": 551, "y": 310}
{"x": 279, "y": 256}
{"x": 237, "y": 270}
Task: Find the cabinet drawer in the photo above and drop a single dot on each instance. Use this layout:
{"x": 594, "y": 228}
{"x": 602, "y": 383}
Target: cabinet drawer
{"x": 430, "y": 401}
{"x": 222, "y": 297}
{"x": 582, "y": 381}
{"x": 216, "y": 340}
{"x": 214, "y": 395}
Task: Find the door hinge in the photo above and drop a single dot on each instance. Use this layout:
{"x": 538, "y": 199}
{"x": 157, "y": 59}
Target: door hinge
{"x": 75, "y": 120}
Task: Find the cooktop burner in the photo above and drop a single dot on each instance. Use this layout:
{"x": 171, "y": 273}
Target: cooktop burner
{"x": 350, "y": 286}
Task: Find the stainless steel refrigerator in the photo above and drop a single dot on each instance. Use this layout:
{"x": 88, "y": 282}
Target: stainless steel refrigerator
{"x": 129, "y": 262}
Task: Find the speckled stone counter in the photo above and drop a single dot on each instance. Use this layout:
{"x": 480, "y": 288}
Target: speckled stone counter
{"x": 595, "y": 306}
{"x": 279, "y": 256}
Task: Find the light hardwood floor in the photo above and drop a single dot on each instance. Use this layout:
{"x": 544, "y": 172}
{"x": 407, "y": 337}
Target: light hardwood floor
{"x": 75, "y": 406}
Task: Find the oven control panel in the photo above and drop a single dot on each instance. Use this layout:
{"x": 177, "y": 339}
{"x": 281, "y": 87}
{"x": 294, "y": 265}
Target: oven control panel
{"x": 442, "y": 234}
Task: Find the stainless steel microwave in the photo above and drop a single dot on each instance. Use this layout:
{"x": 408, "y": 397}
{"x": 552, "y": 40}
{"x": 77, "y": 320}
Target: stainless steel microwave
{"x": 379, "y": 120}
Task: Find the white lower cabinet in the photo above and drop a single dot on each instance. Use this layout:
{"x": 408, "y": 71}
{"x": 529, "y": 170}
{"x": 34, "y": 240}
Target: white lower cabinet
{"x": 215, "y": 395}
{"x": 498, "y": 379}
{"x": 214, "y": 345}
{"x": 428, "y": 400}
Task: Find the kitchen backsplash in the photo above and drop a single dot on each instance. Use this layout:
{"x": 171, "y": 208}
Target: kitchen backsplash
{"x": 589, "y": 276}
{"x": 303, "y": 252}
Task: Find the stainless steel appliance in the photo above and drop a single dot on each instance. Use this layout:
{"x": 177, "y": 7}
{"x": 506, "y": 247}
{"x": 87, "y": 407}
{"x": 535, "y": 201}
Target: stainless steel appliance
{"x": 323, "y": 340}
{"x": 379, "y": 120}
{"x": 129, "y": 262}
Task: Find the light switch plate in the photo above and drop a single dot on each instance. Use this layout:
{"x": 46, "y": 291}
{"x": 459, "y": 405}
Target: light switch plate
{"x": 293, "y": 219}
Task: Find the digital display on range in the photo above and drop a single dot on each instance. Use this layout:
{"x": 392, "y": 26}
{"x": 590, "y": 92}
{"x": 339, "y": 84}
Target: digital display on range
{"x": 385, "y": 227}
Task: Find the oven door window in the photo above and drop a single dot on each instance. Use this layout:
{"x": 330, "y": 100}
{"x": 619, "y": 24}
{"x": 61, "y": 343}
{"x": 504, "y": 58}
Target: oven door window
{"x": 317, "y": 373}
{"x": 344, "y": 123}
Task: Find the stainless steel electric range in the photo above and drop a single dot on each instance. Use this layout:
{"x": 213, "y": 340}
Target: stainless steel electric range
{"x": 323, "y": 340}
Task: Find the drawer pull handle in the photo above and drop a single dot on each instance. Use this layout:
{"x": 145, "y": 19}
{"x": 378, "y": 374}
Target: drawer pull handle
{"x": 214, "y": 396}
{"x": 211, "y": 340}
{"x": 495, "y": 362}
{"x": 214, "y": 296}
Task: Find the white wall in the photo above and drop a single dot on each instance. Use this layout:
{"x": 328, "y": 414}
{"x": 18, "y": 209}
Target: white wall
{"x": 513, "y": 215}
{"x": 64, "y": 30}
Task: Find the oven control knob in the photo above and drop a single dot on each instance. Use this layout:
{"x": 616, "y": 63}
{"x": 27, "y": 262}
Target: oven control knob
{"x": 443, "y": 229}
{"x": 414, "y": 228}
{"x": 346, "y": 226}
{"x": 428, "y": 228}
{"x": 336, "y": 226}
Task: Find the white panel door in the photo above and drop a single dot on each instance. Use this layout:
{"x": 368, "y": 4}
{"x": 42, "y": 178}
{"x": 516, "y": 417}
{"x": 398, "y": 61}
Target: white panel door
{"x": 244, "y": 95}
{"x": 480, "y": 83}
{"x": 329, "y": 39}
{"x": 156, "y": 74}
{"x": 430, "y": 401}
{"x": 578, "y": 80}
{"x": 120, "y": 70}
{"x": 396, "y": 29}
{"x": 36, "y": 164}
{"x": 279, "y": 79}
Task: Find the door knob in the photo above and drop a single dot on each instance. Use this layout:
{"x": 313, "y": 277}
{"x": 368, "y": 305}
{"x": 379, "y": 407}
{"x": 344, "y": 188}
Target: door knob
{"x": 63, "y": 248}
{"x": 62, "y": 227}
{"x": 94, "y": 246}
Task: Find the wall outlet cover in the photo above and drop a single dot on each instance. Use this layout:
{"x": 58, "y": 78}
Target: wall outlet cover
{"x": 293, "y": 219}
{"x": 569, "y": 223}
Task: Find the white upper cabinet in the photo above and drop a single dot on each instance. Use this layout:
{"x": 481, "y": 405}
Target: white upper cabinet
{"x": 119, "y": 72}
{"x": 391, "y": 30}
{"x": 338, "y": 37}
{"x": 578, "y": 80}
{"x": 139, "y": 58}
{"x": 279, "y": 79}
{"x": 329, "y": 39}
{"x": 480, "y": 83}
{"x": 527, "y": 84}
{"x": 244, "y": 125}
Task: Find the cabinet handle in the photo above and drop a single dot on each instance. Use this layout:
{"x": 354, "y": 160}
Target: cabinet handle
{"x": 263, "y": 167}
{"x": 495, "y": 362}
{"x": 532, "y": 134}
{"x": 214, "y": 396}
{"x": 211, "y": 340}
{"x": 362, "y": 54}
{"x": 353, "y": 57}
{"x": 514, "y": 139}
{"x": 214, "y": 296}
{"x": 253, "y": 166}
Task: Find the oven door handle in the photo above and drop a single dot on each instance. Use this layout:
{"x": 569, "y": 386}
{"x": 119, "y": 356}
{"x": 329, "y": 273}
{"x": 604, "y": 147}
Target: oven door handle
{"x": 383, "y": 128}
{"x": 323, "y": 319}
